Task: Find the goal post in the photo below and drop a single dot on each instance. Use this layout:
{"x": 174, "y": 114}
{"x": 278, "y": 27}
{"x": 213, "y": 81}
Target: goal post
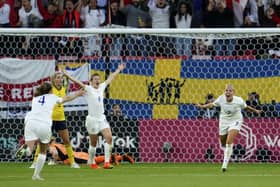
{"x": 167, "y": 72}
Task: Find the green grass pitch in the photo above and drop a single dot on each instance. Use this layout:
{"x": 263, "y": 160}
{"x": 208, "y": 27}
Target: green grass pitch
{"x": 144, "y": 175}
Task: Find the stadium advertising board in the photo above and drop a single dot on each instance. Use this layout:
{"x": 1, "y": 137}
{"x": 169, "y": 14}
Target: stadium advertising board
{"x": 198, "y": 141}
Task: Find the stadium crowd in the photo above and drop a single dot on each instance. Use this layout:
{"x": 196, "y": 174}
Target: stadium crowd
{"x": 140, "y": 13}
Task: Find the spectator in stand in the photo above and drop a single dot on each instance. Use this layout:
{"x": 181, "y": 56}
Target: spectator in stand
{"x": 91, "y": 14}
{"x": 29, "y": 16}
{"x": 272, "y": 16}
{"x": 245, "y": 13}
{"x": 117, "y": 17}
{"x": 135, "y": 15}
{"x": 34, "y": 3}
{"x": 275, "y": 4}
{"x": 116, "y": 113}
{"x": 160, "y": 13}
{"x": 182, "y": 19}
{"x": 217, "y": 15}
{"x": 102, "y": 5}
{"x": 71, "y": 17}
{"x": 267, "y": 17}
{"x": 81, "y": 7}
{"x": 183, "y": 16}
{"x": 198, "y": 7}
{"x": 15, "y": 5}
{"x": 173, "y": 4}
{"x": 69, "y": 46}
{"x": 5, "y": 12}
{"x": 127, "y": 2}
{"x": 52, "y": 16}
{"x": 116, "y": 110}
{"x": 93, "y": 17}
{"x": 238, "y": 7}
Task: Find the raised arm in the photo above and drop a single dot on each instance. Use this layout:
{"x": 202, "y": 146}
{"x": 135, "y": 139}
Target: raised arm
{"x": 73, "y": 79}
{"x": 253, "y": 109}
{"x": 208, "y": 105}
{"x": 73, "y": 96}
{"x": 113, "y": 75}
{"x": 122, "y": 4}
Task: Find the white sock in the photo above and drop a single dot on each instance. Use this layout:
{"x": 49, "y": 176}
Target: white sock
{"x": 91, "y": 155}
{"x": 227, "y": 155}
{"x": 107, "y": 152}
{"x": 39, "y": 164}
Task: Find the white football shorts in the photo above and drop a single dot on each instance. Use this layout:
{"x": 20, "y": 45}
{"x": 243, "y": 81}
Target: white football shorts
{"x": 225, "y": 127}
{"x": 95, "y": 126}
{"x": 36, "y": 130}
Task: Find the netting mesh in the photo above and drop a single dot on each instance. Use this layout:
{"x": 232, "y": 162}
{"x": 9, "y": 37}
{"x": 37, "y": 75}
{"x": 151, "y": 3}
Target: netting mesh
{"x": 166, "y": 75}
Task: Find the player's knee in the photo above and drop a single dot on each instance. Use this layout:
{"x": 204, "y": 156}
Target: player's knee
{"x": 108, "y": 140}
{"x": 229, "y": 142}
{"x": 93, "y": 144}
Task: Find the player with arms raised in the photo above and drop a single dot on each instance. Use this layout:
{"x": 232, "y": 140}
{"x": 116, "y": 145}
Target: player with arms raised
{"x": 58, "y": 117}
{"x": 96, "y": 121}
{"x": 230, "y": 120}
{"x": 38, "y": 123}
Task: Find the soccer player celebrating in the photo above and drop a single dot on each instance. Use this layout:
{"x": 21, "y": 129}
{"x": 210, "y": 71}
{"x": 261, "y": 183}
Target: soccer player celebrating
{"x": 38, "y": 124}
{"x": 58, "y": 117}
{"x": 96, "y": 121}
{"x": 230, "y": 120}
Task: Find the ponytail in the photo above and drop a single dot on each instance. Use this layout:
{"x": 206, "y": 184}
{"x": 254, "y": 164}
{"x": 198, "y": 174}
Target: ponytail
{"x": 44, "y": 88}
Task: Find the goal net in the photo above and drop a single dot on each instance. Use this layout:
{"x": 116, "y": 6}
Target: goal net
{"x": 167, "y": 72}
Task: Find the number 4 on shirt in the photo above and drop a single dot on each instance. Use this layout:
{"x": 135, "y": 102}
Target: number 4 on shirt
{"x": 42, "y": 100}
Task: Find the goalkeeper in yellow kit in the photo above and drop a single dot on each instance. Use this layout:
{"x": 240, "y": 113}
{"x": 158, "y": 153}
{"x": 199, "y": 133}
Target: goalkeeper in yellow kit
{"x": 58, "y": 117}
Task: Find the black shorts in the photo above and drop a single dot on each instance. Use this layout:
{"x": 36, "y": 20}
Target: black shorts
{"x": 59, "y": 125}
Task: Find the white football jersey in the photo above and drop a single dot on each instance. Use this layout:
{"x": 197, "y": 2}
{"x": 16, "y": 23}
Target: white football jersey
{"x": 230, "y": 111}
{"x": 42, "y": 108}
{"x": 95, "y": 101}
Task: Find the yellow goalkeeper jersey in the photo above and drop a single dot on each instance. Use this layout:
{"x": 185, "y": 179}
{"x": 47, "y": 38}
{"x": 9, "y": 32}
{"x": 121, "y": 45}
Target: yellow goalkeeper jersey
{"x": 58, "y": 110}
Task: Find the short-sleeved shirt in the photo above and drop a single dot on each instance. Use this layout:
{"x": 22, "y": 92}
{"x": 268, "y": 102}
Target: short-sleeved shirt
{"x": 230, "y": 111}
{"x": 23, "y": 15}
{"x": 5, "y": 11}
{"x": 95, "y": 99}
{"x": 42, "y": 108}
{"x": 133, "y": 14}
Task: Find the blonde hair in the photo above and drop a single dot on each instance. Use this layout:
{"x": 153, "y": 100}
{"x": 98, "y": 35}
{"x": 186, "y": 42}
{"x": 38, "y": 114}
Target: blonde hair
{"x": 54, "y": 76}
{"x": 229, "y": 85}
